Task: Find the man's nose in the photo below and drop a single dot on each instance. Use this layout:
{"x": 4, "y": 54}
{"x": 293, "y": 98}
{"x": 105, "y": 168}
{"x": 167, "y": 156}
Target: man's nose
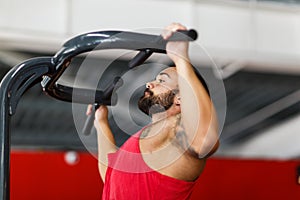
{"x": 150, "y": 85}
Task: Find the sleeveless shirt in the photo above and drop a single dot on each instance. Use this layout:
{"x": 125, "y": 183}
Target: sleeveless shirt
{"x": 128, "y": 177}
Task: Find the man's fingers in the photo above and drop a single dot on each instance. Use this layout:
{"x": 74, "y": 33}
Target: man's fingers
{"x": 169, "y": 30}
{"x": 101, "y": 113}
{"x": 89, "y": 109}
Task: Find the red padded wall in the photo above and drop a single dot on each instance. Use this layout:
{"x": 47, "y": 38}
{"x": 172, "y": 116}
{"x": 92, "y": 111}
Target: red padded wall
{"x": 248, "y": 180}
{"x": 46, "y": 175}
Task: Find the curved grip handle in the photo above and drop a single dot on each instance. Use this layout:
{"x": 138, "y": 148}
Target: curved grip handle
{"x": 88, "y": 125}
{"x": 140, "y": 58}
{"x": 180, "y": 35}
{"x": 184, "y": 35}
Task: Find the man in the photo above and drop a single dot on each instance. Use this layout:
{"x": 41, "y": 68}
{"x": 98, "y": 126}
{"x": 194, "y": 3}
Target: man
{"x": 163, "y": 160}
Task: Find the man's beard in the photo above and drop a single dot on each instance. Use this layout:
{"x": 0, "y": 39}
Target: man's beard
{"x": 153, "y": 104}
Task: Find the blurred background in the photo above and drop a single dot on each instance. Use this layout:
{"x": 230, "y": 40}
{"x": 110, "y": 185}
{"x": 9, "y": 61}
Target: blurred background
{"x": 254, "y": 43}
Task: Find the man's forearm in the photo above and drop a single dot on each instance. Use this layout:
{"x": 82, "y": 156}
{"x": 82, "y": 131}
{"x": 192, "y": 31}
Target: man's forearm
{"x": 200, "y": 126}
{"x": 106, "y": 141}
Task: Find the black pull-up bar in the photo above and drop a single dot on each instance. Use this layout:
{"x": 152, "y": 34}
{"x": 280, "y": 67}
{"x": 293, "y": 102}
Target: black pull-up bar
{"x": 48, "y": 70}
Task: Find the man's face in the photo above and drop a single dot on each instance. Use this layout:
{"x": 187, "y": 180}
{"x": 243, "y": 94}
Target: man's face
{"x": 159, "y": 94}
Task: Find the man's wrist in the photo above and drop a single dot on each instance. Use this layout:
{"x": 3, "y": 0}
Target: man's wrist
{"x": 103, "y": 122}
{"x": 181, "y": 61}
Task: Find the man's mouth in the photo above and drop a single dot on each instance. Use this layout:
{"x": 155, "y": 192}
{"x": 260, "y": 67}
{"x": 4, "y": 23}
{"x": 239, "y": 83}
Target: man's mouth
{"x": 148, "y": 93}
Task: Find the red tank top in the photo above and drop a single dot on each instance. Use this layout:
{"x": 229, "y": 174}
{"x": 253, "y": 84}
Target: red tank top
{"x": 128, "y": 177}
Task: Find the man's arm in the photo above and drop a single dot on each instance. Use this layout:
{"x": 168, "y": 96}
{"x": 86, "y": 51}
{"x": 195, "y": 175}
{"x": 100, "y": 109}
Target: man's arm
{"x": 198, "y": 118}
{"x": 105, "y": 138}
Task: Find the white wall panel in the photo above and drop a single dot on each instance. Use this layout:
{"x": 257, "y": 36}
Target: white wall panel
{"x": 129, "y": 14}
{"x": 278, "y": 32}
{"x": 224, "y": 27}
{"x": 46, "y": 17}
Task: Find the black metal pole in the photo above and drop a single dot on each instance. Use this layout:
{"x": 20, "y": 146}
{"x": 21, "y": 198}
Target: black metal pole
{"x": 5, "y": 142}
{"x": 12, "y": 87}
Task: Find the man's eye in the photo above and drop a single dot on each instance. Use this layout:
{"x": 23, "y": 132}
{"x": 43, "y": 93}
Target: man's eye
{"x": 161, "y": 81}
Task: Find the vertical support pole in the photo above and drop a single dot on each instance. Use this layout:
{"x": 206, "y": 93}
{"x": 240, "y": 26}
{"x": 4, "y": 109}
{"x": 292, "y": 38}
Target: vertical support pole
{"x": 5, "y": 142}
{"x": 12, "y": 87}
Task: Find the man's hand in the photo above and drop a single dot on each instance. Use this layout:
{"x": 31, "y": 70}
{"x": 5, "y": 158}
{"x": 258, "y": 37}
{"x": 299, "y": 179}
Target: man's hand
{"x": 101, "y": 115}
{"x": 175, "y": 50}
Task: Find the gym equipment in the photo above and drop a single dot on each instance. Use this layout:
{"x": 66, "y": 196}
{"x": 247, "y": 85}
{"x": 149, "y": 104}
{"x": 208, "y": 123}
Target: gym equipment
{"x": 48, "y": 70}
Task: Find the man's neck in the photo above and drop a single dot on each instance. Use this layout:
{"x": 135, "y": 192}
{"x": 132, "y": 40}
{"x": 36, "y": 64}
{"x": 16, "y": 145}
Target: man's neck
{"x": 159, "y": 116}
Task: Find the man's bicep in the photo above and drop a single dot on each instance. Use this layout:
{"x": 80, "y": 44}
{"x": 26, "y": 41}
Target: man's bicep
{"x": 200, "y": 143}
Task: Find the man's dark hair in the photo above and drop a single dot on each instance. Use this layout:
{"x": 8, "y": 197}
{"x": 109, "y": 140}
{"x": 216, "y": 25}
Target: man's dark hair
{"x": 199, "y": 76}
